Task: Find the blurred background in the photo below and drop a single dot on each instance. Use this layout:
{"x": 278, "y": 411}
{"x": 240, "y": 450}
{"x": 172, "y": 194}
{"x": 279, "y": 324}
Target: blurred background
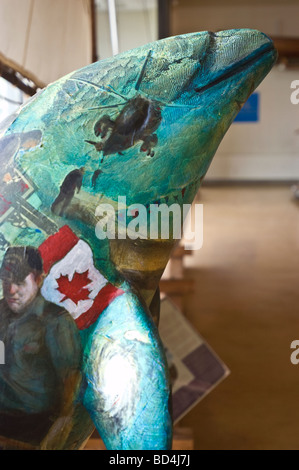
{"x": 240, "y": 290}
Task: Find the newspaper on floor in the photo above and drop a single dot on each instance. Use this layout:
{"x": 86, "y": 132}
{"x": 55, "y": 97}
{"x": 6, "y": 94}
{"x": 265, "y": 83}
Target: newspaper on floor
{"x": 194, "y": 367}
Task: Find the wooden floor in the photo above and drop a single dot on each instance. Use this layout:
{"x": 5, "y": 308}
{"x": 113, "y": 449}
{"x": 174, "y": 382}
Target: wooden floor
{"x": 246, "y": 305}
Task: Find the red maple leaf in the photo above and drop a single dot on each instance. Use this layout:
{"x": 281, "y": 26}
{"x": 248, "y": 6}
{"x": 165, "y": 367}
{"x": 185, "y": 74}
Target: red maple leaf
{"x": 74, "y": 289}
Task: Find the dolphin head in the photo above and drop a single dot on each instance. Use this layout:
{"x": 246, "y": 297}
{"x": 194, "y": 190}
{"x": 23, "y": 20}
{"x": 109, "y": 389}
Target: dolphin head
{"x": 164, "y": 108}
{"x": 204, "y": 79}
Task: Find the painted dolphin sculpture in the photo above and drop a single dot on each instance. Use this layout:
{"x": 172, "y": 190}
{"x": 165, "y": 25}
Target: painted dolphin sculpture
{"x": 112, "y": 138}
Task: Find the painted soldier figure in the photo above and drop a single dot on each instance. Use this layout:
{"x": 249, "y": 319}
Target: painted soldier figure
{"x": 42, "y": 357}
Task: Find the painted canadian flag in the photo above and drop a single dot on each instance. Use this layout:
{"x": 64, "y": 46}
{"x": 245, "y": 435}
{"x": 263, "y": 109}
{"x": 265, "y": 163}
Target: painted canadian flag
{"x": 72, "y": 281}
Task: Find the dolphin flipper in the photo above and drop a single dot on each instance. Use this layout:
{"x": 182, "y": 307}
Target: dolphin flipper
{"x": 127, "y": 392}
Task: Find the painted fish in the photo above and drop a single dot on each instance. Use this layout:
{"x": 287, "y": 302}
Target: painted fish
{"x": 83, "y": 163}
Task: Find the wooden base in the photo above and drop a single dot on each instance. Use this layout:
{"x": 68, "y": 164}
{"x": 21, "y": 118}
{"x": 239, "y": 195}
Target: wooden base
{"x": 182, "y": 440}
{"x": 173, "y": 283}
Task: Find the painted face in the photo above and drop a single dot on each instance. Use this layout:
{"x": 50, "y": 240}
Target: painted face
{"x": 19, "y": 295}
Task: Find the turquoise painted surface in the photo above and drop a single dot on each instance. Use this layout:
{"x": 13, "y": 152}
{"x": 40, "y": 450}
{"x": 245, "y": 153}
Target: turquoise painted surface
{"x": 125, "y": 362}
{"x": 168, "y": 104}
{"x": 192, "y": 126}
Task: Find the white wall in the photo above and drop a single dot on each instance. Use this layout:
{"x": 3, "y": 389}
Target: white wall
{"x": 275, "y": 17}
{"x": 268, "y": 149}
{"x": 10, "y": 98}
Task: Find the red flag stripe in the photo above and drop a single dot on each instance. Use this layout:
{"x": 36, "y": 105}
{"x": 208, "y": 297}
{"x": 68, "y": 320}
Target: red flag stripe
{"x": 56, "y": 247}
{"x": 103, "y": 299}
